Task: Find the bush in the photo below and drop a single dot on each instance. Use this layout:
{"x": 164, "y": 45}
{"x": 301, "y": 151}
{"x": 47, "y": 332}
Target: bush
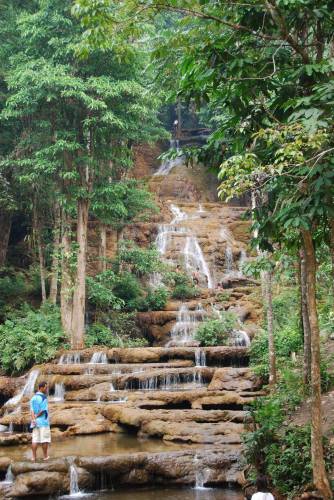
{"x": 184, "y": 291}
{"x": 29, "y": 337}
{"x": 101, "y": 291}
{"x": 155, "y": 300}
{"x": 216, "y": 331}
{"x": 287, "y": 340}
{"x": 122, "y": 331}
{"x": 173, "y": 278}
{"x": 128, "y": 289}
{"x": 142, "y": 261}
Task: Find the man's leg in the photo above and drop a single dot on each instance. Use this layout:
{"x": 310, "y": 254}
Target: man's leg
{"x": 45, "y": 448}
{"x": 34, "y": 451}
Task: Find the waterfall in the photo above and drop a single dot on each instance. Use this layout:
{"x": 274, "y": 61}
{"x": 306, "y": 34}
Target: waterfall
{"x": 242, "y": 260}
{"x": 169, "y": 381}
{"x": 179, "y": 215}
{"x": 99, "y": 357}
{"x": 59, "y": 394}
{"x": 74, "y": 485}
{"x": 70, "y": 358}
{"x": 186, "y": 324}
{"x": 27, "y": 390}
{"x": 201, "y": 475}
{"x": 200, "y": 209}
{"x": 112, "y": 388}
{"x": 9, "y": 479}
{"x": 240, "y": 338}
{"x": 228, "y": 259}
{"x": 149, "y": 384}
{"x": 194, "y": 259}
{"x": 200, "y": 357}
{"x": 168, "y": 164}
{"x": 226, "y": 234}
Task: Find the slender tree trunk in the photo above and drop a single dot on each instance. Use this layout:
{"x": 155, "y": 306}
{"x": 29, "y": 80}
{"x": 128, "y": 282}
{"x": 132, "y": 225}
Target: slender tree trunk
{"x": 5, "y": 227}
{"x": 37, "y": 234}
{"x": 55, "y": 257}
{"x": 270, "y": 327}
{"x": 305, "y": 318}
{"x": 331, "y": 233}
{"x": 66, "y": 292}
{"x": 79, "y": 297}
{"x": 320, "y": 478}
{"x": 103, "y": 248}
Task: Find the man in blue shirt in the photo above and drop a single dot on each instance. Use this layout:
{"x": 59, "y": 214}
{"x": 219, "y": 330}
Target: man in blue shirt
{"x": 40, "y": 424}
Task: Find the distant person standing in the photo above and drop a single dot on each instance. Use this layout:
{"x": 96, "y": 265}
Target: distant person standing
{"x": 176, "y": 128}
{"x": 262, "y": 490}
{"x": 40, "y": 424}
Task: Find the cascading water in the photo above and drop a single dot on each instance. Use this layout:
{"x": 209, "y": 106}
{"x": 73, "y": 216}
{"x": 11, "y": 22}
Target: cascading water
{"x": 9, "y": 479}
{"x": 228, "y": 259}
{"x": 186, "y": 325}
{"x": 27, "y": 390}
{"x": 168, "y": 164}
{"x": 70, "y": 358}
{"x": 242, "y": 261}
{"x": 74, "y": 484}
{"x": 194, "y": 259}
{"x": 240, "y": 338}
{"x": 201, "y": 475}
{"x": 200, "y": 357}
{"x": 59, "y": 394}
{"x": 99, "y": 358}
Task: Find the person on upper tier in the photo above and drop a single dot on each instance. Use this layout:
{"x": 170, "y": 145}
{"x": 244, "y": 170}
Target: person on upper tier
{"x": 262, "y": 490}
{"x": 40, "y": 424}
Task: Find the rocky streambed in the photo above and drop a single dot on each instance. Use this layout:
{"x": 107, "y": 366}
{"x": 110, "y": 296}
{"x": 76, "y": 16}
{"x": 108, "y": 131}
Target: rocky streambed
{"x": 138, "y": 417}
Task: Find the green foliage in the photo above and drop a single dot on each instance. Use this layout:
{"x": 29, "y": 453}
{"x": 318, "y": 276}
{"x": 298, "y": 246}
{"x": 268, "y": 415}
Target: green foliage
{"x": 216, "y": 331}
{"x": 121, "y": 330}
{"x": 277, "y": 449}
{"x": 184, "y": 291}
{"x": 155, "y": 300}
{"x": 173, "y": 278}
{"x": 128, "y": 289}
{"x": 140, "y": 261}
{"x": 29, "y": 337}
{"x": 101, "y": 291}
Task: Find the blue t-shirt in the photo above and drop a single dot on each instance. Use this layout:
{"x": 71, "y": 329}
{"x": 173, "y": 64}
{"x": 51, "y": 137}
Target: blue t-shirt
{"x": 38, "y": 403}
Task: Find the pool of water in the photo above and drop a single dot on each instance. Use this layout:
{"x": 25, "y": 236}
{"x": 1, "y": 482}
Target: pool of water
{"x": 96, "y": 445}
{"x": 168, "y": 494}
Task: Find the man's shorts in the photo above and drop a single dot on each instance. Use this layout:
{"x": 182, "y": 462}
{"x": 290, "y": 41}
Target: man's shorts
{"x": 41, "y": 435}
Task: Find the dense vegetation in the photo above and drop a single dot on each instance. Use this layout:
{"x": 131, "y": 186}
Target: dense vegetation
{"x": 80, "y": 87}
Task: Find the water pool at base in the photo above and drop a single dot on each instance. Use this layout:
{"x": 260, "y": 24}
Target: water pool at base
{"x": 94, "y": 445}
{"x": 168, "y": 494}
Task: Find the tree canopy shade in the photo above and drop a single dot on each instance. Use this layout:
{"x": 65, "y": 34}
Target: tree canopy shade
{"x": 78, "y": 120}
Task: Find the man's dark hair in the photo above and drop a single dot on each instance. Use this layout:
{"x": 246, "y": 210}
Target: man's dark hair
{"x": 43, "y": 384}
{"x": 262, "y": 484}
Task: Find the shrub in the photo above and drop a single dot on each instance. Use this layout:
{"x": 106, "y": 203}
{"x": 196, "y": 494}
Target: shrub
{"x": 128, "y": 289}
{"x": 142, "y": 261}
{"x": 173, "y": 278}
{"x": 216, "y": 331}
{"x": 122, "y": 331}
{"x": 184, "y": 291}
{"x": 101, "y": 291}
{"x": 29, "y": 337}
{"x": 155, "y": 300}
{"x": 287, "y": 340}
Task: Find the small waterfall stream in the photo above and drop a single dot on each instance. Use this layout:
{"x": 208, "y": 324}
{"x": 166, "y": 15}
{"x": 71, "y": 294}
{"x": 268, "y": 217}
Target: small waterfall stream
{"x": 59, "y": 394}
{"x": 99, "y": 358}
{"x": 27, "y": 390}
{"x": 167, "y": 165}
{"x": 9, "y": 478}
{"x": 70, "y": 358}
{"x": 186, "y": 325}
{"x": 200, "y": 357}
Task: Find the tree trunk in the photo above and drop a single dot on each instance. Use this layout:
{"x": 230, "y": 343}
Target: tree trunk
{"x": 5, "y": 227}
{"x": 270, "y": 326}
{"x": 103, "y": 248}
{"x": 79, "y": 297}
{"x": 55, "y": 257}
{"x": 66, "y": 292}
{"x": 331, "y": 233}
{"x": 318, "y": 464}
{"x": 37, "y": 234}
{"x": 305, "y": 318}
